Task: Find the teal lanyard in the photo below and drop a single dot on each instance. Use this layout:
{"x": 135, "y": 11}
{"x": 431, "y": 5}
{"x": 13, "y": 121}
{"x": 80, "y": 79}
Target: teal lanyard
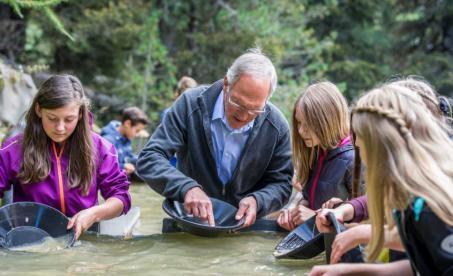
{"x": 418, "y": 207}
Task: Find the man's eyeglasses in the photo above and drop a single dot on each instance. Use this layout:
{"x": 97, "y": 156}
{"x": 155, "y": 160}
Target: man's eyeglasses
{"x": 251, "y": 112}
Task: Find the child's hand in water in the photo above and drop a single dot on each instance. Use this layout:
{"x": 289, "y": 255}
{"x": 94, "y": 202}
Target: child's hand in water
{"x": 83, "y": 220}
{"x": 301, "y": 213}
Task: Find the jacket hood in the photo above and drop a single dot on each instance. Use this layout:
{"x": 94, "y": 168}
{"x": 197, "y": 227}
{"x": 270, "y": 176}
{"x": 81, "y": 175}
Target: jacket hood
{"x": 111, "y": 128}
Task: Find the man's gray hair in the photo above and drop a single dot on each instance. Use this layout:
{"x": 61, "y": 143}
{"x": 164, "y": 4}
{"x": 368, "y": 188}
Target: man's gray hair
{"x": 253, "y": 63}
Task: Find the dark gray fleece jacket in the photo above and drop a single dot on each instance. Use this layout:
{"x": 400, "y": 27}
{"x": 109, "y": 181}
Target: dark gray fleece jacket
{"x": 264, "y": 169}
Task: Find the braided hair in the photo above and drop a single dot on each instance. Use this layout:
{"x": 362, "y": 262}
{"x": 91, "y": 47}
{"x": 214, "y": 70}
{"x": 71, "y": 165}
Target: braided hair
{"x": 406, "y": 151}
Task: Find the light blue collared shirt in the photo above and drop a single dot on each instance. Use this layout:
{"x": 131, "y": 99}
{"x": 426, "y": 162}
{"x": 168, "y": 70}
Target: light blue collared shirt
{"x": 228, "y": 142}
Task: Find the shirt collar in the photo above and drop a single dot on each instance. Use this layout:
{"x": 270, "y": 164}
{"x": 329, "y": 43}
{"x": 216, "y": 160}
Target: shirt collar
{"x": 219, "y": 111}
{"x": 219, "y": 114}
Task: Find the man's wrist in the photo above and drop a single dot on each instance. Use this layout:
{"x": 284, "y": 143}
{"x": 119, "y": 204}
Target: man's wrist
{"x": 188, "y": 187}
{"x": 256, "y": 201}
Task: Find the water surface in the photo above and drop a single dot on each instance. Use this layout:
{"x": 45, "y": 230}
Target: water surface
{"x": 158, "y": 254}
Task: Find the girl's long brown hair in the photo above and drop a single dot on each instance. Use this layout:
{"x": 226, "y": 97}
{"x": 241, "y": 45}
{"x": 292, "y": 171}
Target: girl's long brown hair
{"x": 325, "y": 111}
{"x": 56, "y": 92}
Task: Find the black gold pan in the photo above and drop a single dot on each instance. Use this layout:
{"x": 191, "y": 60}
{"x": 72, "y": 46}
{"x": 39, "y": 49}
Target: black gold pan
{"x": 224, "y": 217}
{"x": 29, "y": 223}
{"x": 304, "y": 242}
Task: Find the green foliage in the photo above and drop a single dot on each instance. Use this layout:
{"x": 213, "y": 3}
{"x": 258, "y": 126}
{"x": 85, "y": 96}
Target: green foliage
{"x": 136, "y": 50}
{"x": 116, "y": 50}
{"x": 16, "y": 8}
{"x": 376, "y": 40}
{"x": 33, "y": 4}
{"x": 284, "y": 98}
{"x": 43, "y": 6}
{"x": 424, "y": 39}
{"x": 37, "y": 49}
{"x": 56, "y": 22}
{"x": 204, "y": 39}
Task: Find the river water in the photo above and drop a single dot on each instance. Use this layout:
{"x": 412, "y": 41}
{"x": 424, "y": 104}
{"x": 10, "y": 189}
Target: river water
{"x": 157, "y": 253}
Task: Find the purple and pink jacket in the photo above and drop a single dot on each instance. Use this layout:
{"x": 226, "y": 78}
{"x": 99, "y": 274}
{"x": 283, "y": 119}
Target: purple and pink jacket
{"x": 331, "y": 175}
{"x": 109, "y": 179}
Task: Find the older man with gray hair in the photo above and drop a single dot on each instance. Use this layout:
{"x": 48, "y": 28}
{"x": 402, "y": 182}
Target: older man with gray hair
{"x": 232, "y": 144}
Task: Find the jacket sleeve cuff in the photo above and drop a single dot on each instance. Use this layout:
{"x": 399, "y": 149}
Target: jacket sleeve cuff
{"x": 126, "y": 202}
{"x": 360, "y": 213}
{"x": 187, "y": 187}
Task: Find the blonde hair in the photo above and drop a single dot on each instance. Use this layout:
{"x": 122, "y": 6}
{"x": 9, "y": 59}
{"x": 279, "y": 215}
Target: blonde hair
{"x": 407, "y": 153}
{"x": 424, "y": 89}
{"x": 325, "y": 111}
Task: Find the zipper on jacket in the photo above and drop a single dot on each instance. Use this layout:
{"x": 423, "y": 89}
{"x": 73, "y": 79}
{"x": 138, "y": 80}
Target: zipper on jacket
{"x": 60, "y": 177}
{"x": 223, "y": 191}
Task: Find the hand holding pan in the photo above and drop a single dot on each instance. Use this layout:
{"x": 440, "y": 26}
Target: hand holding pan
{"x": 352, "y": 256}
{"x": 224, "y": 216}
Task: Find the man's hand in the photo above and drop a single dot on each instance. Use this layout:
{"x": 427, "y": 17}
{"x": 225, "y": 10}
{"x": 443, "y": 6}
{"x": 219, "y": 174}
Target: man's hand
{"x": 197, "y": 203}
{"x": 247, "y": 209}
{"x": 129, "y": 168}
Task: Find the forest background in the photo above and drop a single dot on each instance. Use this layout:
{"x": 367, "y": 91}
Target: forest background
{"x": 132, "y": 52}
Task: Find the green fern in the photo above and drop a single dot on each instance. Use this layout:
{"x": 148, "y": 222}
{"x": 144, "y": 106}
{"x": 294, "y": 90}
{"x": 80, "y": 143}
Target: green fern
{"x": 34, "y": 4}
{"x": 43, "y": 5}
{"x": 16, "y": 8}
{"x": 56, "y": 21}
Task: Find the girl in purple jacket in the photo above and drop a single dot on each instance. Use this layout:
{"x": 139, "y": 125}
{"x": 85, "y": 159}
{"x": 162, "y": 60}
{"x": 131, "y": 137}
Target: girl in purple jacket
{"x": 60, "y": 162}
